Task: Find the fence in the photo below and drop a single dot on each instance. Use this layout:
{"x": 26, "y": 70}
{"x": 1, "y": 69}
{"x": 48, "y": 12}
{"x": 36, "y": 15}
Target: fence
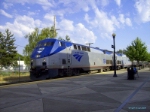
{"x": 17, "y": 74}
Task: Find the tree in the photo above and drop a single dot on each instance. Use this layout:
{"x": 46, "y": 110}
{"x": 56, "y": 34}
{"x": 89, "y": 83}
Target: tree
{"x": 34, "y": 37}
{"x": 121, "y": 51}
{"x": 19, "y": 56}
{"x": 7, "y": 49}
{"x": 137, "y": 51}
{"x": 48, "y": 32}
{"x": 67, "y": 38}
{"x": 148, "y": 57}
{"x": 60, "y": 38}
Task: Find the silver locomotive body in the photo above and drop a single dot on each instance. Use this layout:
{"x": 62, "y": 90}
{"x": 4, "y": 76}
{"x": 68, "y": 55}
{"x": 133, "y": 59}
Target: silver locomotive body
{"x": 54, "y": 57}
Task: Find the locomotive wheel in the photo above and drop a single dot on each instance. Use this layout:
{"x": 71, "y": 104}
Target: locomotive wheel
{"x": 68, "y": 74}
{"x": 89, "y": 72}
{"x": 37, "y": 75}
{"x": 60, "y": 74}
{"x": 78, "y": 72}
{"x": 75, "y": 72}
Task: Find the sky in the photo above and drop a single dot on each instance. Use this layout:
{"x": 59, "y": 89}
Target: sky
{"x": 84, "y": 21}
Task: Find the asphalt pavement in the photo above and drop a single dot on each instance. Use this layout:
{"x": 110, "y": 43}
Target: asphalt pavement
{"x": 86, "y": 93}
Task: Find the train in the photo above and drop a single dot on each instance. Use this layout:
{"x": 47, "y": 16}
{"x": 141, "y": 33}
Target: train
{"x": 57, "y": 58}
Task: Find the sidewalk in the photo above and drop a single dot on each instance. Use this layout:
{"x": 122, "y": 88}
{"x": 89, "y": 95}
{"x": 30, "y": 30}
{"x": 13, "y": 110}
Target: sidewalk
{"x": 86, "y": 93}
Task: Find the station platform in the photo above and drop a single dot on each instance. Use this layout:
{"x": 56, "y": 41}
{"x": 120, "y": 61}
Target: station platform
{"x": 86, "y": 93}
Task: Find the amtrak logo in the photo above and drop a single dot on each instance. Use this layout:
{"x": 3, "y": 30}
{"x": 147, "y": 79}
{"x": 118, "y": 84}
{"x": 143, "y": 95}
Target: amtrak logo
{"x": 40, "y": 50}
{"x": 78, "y": 56}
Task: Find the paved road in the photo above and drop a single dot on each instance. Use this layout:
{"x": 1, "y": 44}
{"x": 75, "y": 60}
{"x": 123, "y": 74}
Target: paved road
{"x": 85, "y": 93}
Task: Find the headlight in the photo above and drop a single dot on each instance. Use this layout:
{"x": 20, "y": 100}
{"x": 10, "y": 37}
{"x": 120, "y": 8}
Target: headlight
{"x": 38, "y": 56}
{"x": 44, "y": 59}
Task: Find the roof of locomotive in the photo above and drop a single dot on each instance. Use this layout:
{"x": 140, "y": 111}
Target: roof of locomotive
{"x": 105, "y": 51}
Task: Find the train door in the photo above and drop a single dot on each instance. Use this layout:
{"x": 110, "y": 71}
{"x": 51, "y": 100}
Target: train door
{"x": 69, "y": 61}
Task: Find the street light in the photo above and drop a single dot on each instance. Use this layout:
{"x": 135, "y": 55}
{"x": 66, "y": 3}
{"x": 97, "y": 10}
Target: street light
{"x": 113, "y": 46}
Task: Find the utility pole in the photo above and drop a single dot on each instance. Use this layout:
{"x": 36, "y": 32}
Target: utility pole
{"x": 89, "y": 44}
{"x": 19, "y": 68}
{"x": 54, "y": 26}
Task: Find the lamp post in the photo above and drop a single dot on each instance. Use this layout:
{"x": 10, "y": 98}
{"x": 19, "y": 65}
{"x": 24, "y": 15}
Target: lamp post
{"x": 113, "y": 46}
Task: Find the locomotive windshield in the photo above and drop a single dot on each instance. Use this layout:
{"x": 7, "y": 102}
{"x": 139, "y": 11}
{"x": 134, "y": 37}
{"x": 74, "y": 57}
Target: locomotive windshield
{"x": 45, "y": 44}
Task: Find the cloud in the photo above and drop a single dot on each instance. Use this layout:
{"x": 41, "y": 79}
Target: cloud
{"x": 49, "y": 17}
{"x": 75, "y": 5}
{"x": 44, "y": 3}
{"x": 31, "y": 13}
{"x": 118, "y": 2}
{"x": 21, "y": 26}
{"x": 84, "y": 34}
{"x": 124, "y": 21}
{"x": 105, "y": 2}
{"x": 115, "y": 21}
{"x": 102, "y": 23}
{"x": 5, "y": 14}
{"x": 86, "y": 8}
{"x": 87, "y": 18}
{"x": 78, "y": 32}
{"x": 128, "y": 22}
{"x": 106, "y": 24}
{"x": 121, "y": 18}
{"x": 143, "y": 9}
{"x": 7, "y": 5}
{"x": 66, "y": 25}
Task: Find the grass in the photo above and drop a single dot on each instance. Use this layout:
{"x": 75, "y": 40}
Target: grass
{"x": 7, "y": 77}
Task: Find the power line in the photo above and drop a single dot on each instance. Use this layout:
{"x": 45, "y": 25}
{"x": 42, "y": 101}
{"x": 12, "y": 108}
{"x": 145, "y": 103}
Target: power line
{"x": 20, "y": 45}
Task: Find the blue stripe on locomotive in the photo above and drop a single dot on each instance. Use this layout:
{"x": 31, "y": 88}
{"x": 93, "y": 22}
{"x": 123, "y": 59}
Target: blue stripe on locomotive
{"x": 49, "y": 50}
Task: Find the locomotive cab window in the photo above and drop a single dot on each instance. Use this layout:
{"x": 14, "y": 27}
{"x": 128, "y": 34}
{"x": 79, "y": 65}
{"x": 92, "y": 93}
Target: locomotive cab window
{"x": 83, "y": 48}
{"x": 88, "y": 49}
{"x": 45, "y": 44}
{"x": 75, "y": 47}
{"x": 79, "y": 48}
{"x": 49, "y": 43}
{"x": 62, "y": 44}
{"x": 40, "y": 45}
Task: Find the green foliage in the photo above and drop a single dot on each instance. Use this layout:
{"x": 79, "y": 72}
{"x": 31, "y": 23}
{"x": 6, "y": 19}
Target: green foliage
{"x": 60, "y": 38}
{"x": 137, "y": 51}
{"x": 34, "y": 37}
{"x": 121, "y": 51}
{"x": 7, "y": 49}
{"x": 148, "y": 57}
{"x": 19, "y": 56}
{"x": 67, "y": 38}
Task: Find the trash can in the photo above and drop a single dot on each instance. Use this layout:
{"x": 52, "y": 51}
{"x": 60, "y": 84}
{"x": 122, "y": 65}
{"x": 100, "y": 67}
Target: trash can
{"x": 130, "y": 74}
